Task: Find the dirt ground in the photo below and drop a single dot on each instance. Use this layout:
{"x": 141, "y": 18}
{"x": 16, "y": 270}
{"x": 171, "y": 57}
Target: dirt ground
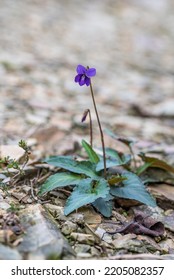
{"x": 129, "y": 42}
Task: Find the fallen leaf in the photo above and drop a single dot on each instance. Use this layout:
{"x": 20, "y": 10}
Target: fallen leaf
{"x": 142, "y": 225}
{"x": 158, "y": 163}
{"x": 90, "y": 216}
{"x": 157, "y": 175}
{"x": 164, "y": 194}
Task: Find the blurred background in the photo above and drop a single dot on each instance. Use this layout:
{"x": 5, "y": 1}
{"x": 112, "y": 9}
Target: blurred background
{"x": 129, "y": 42}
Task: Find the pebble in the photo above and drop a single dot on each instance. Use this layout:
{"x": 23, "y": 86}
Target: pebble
{"x": 68, "y": 227}
{"x": 7, "y": 253}
{"x": 4, "y": 205}
{"x": 82, "y": 248}
{"x": 83, "y": 238}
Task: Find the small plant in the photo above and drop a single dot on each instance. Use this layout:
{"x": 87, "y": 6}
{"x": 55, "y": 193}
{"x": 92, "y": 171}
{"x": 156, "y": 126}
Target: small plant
{"x": 14, "y": 208}
{"x": 8, "y": 164}
{"x": 93, "y": 180}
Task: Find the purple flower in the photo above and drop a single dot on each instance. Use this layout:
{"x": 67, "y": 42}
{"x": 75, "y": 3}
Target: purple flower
{"x": 84, "y": 74}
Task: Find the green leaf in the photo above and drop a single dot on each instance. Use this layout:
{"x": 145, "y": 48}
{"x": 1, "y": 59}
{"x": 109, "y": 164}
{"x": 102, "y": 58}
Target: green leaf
{"x": 133, "y": 188}
{"x": 143, "y": 168}
{"x": 126, "y": 159}
{"x": 60, "y": 180}
{"x": 158, "y": 163}
{"x": 114, "y": 160}
{"x": 113, "y": 154}
{"x": 86, "y": 192}
{"x": 94, "y": 158}
{"x": 104, "y": 205}
{"x": 109, "y": 163}
{"x": 79, "y": 167}
{"x": 116, "y": 179}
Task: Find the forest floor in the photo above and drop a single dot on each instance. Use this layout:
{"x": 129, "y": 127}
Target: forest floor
{"x": 130, "y": 43}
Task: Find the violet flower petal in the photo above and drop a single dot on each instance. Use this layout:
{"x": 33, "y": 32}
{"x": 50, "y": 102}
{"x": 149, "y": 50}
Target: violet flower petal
{"x": 87, "y": 81}
{"x": 77, "y": 78}
{"x": 81, "y": 69}
{"x": 82, "y": 80}
{"x": 90, "y": 72}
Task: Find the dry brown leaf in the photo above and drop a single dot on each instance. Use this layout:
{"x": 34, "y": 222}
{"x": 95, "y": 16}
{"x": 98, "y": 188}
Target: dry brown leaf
{"x": 164, "y": 194}
{"x": 158, "y": 163}
{"x": 142, "y": 224}
{"x": 90, "y": 216}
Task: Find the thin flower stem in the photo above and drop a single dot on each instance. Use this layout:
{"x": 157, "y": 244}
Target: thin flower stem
{"x": 133, "y": 156}
{"x": 90, "y": 127}
{"x": 86, "y": 112}
{"x": 100, "y": 128}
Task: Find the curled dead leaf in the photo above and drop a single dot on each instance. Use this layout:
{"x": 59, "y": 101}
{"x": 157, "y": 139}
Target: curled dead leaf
{"x": 142, "y": 225}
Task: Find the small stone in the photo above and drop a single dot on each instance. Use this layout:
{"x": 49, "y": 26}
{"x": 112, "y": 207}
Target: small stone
{"x": 82, "y": 248}
{"x": 100, "y": 232}
{"x": 2, "y": 176}
{"x": 7, "y": 253}
{"x": 103, "y": 235}
{"x": 77, "y": 218}
{"x": 84, "y": 255}
{"x": 95, "y": 251}
{"x": 29, "y": 200}
{"x": 2, "y": 195}
{"x": 26, "y": 189}
{"x": 167, "y": 246}
{"x": 2, "y": 213}
{"x": 4, "y": 205}
{"x": 126, "y": 241}
{"x": 168, "y": 219}
{"x": 56, "y": 211}
{"x": 68, "y": 227}
{"x": 149, "y": 243}
{"x": 83, "y": 238}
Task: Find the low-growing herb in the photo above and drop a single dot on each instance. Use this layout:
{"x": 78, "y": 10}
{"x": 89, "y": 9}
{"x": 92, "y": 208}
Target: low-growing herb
{"x": 103, "y": 177}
